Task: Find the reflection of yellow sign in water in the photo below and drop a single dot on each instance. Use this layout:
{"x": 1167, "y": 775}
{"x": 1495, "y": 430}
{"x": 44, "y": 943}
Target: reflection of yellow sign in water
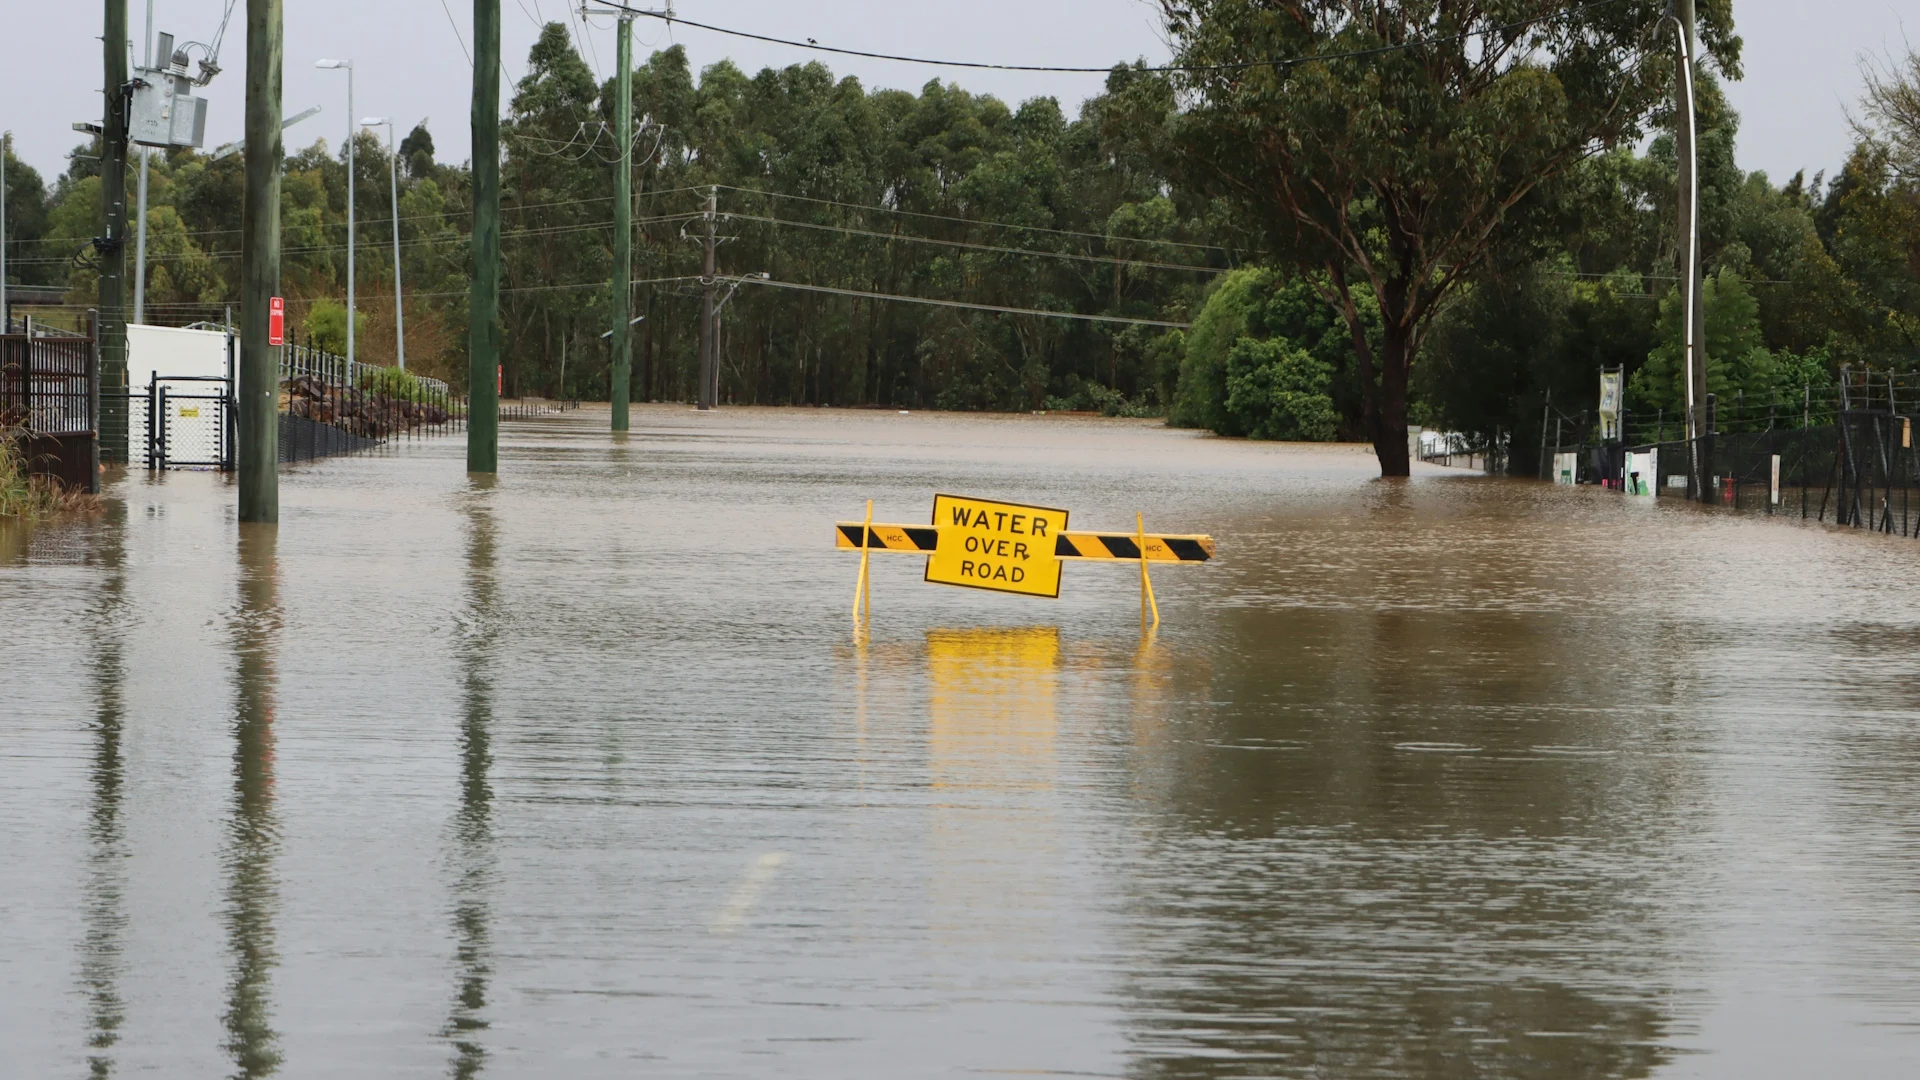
{"x": 1007, "y": 547}
{"x": 990, "y": 706}
{"x": 993, "y": 849}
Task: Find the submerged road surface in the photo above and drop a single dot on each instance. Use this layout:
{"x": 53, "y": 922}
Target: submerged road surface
{"x": 583, "y": 772}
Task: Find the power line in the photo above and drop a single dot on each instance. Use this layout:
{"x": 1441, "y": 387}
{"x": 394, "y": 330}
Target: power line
{"x": 1106, "y": 259}
{"x": 1519, "y": 24}
{"x": 366, "y": 223}
{"x": 418, "y": 241}
{"x": 578, "y": 31}
{"x": 198, "y": 305}
{"x": 972, "y": 221}
{"x": 456, "y": 33}
{"x": 957, "y": 303}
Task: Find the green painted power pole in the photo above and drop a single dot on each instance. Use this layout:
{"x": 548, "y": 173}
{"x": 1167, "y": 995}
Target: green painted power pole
{"x": 112, "y": 242}
{"x": 623, "y": 224}
{"x": 483, "y": 302}
{"x": 258, "y": 422}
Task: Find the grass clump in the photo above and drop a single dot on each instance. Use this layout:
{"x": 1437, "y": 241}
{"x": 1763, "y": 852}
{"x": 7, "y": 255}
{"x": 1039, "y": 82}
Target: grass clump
{"x": 23, "y": 495}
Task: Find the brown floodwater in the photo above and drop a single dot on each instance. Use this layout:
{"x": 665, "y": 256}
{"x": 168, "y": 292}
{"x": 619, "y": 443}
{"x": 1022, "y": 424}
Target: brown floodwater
{"x": 584, "y": 771}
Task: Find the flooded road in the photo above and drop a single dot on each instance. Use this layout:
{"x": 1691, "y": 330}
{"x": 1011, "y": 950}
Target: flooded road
{"x": 583, "y": 772}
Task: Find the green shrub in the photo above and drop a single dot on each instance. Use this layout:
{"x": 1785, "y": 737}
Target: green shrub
{"x": 1090, "y": 396}
{"x": 1260, "y": 305}
{"x": 390, "y": 381}
{"x": 327, "y": 326}
{"x": 1278, "y": 391}
{"x": 1200, "y": 399}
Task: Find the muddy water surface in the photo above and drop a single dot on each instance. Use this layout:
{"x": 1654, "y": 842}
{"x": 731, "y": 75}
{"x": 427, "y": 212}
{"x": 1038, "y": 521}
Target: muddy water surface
{"x": 582, "y": 772}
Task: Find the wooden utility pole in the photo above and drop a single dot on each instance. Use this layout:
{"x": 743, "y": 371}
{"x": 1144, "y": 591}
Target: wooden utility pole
{"x": 258, "y": 423}
{"x": 1686, "y": 118}
{"x": 111, "y": 244}
{"x": 709, "y": 375}
{"x": 483, "y": 299}
{"x": 623, "y": 224}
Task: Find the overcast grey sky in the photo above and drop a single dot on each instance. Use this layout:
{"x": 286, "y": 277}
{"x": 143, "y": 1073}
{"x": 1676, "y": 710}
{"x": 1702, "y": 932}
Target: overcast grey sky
{"x": 1801, "y": 59}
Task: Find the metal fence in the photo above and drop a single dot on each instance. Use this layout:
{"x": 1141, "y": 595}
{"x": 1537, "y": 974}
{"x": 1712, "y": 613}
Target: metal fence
{"x": 49, "y": 395}
{"x": 297, "y": 361}
{"x": 191, "y": 422}
{"x": 331, "y": 406}
{"x": 1843, "y": 453}
{"x": 1462, "y": 451}
{"x": 529, "y": 408}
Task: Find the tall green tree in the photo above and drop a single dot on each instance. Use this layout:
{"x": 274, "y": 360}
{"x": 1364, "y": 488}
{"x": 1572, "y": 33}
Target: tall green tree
{"x": 1390, "y": 147}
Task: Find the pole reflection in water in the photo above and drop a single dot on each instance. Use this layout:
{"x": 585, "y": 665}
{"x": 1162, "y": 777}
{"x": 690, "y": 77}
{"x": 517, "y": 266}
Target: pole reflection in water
{"x": 101, "y": 959}
{"x": 991, "y": 728}
{"x": 253, "y": 892}
{"x": 473, "y": 823}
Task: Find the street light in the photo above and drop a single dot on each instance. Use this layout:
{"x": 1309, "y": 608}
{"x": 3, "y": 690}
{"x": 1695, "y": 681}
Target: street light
{"x": 393, "y": 186}
{"x": 336, "y": 65}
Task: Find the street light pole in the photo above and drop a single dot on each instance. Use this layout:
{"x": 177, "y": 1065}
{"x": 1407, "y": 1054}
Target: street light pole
{"x": 140, "y": 241}
{"x": 6, "y": 319}
{"x": 1693, "y": 345}
{"x": 348, "y": 65}
{"x": 393, "y": 188}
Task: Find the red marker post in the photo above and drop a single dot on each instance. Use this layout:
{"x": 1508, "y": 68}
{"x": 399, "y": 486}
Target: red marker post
{"x": 277, "y": 321}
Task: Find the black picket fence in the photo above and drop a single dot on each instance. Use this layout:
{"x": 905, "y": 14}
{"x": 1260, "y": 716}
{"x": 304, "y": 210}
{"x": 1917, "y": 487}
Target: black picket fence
{"x": 532, "y": 408}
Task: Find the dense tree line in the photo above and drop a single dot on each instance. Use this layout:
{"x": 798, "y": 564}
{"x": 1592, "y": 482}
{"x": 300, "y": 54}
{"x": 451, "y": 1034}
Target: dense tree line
{"x": 1162, "y": 201}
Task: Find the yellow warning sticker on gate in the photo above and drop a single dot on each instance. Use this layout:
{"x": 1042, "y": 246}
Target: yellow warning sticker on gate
{"x": 1006, "y": 547}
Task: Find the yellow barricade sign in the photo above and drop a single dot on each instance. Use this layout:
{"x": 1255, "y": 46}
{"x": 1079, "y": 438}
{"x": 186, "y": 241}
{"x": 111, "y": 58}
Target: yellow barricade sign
{"x": 1012, "y": 547}
{"x": 1006, "y": 547}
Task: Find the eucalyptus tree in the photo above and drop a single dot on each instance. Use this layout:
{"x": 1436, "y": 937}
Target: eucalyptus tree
{"x": 1391, "y": 147}
{"x": 556, "y": 212}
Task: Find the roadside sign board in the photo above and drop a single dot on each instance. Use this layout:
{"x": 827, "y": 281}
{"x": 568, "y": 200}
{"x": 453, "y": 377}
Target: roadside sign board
{"x": 1006, "y": 547}
{"x": 1011, "y": 547}
{"x": 277, "y": 321}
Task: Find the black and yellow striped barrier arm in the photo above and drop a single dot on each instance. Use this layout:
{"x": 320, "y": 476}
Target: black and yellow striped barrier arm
{"x": 922, "y": 539}
{"x": 1089, "y": 546}
{"x": 1160, "y": 547}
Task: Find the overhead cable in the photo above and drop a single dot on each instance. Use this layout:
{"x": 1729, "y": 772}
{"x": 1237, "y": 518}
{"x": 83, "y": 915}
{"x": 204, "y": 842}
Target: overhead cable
{"x": 972, "y": 221}
{"x": 1518, "y": 24}
{"x": 908, "y": 238}
{"x": 955, "y": 303}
